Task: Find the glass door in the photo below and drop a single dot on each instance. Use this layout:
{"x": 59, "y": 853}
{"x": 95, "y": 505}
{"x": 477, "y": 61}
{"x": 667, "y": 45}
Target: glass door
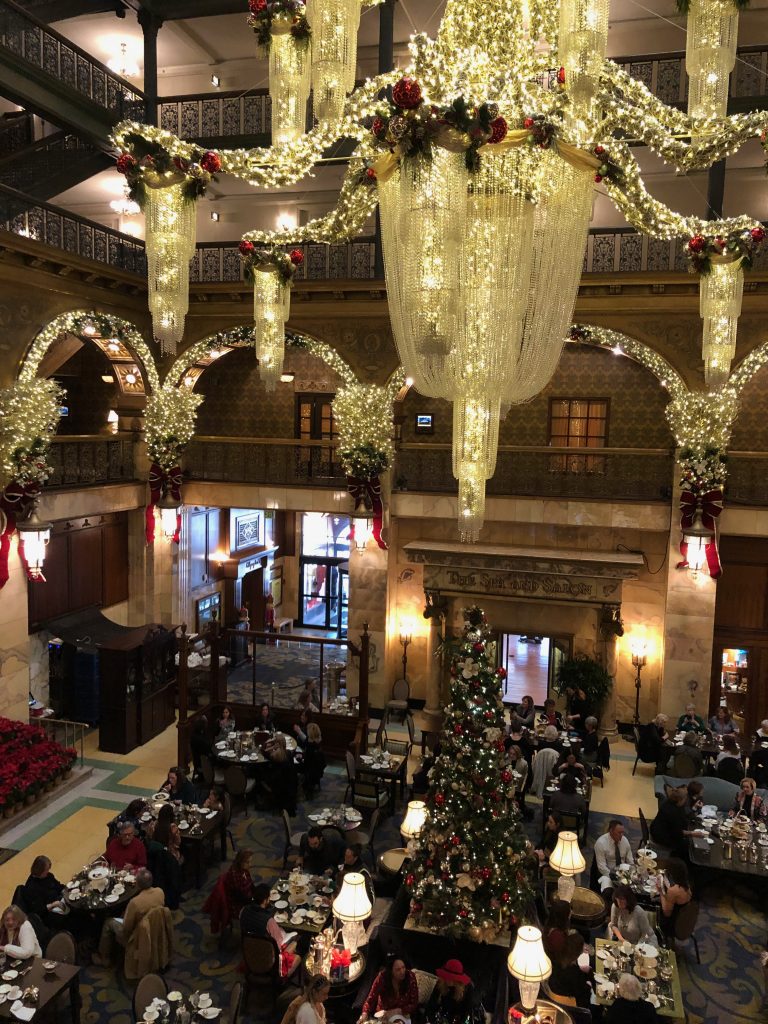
{"x": 734, "y": 684}
{"x": 324, "y": 598}
{"x": 343, "y": 616}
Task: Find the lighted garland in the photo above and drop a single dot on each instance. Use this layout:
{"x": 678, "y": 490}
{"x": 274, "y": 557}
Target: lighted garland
{"x": 257, "y": 260}
{"x": 29, "y": 418}
{"x": 169, "y": 423}
{"x": 85, "y": 325}
{"x": 622, "y": 344}
{"x": 702, "y": 250}
{"x": 701, "y": 424}
{"x": 363, "y": 416}
{"x": 279, "y": 16}
{"x": 147, "y": 164}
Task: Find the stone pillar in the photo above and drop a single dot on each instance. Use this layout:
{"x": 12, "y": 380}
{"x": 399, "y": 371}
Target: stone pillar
{"x": 151, "y": 575}
{"x": 14, "y": 639}
{"x": 150, "y": 26}
{"x": 689, "y": 623}
{"x": 368, "y": 603}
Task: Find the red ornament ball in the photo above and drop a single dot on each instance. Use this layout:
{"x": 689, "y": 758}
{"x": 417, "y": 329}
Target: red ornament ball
{"x": 478, "y": 646}
{"x": 561, "y": 76}
{"x": 439, "y": 799}
{"x": 445, "y": 877}
{"x": 377, "y": 125}
{"x": 495, "y": 795}
{"x": 528, "y": 122}
{"x": 370, "y": 173}
{"x": 409, "y": 880}
{"x": 462, "y": 913}
{"x": 505, "y": 897}
{"x": 500, "y": 745}
{"x": 719, "y": 243}
{"x": 125, "y": 163}
{"x": 758, "y": 234}
{"x": 486, "y": 873}
{"x": 598, "y": 178}
{"x": 406, "y": 94}
{"x": 246, "y": 247}
{"x": 506, "y": 775}
{"x": 297, "y": 257}
{"x": 210, "y": 162}
{"x": 697, "y": 244}
{"x": 256, "y": 6}
{"x": 455, "y": 840}
{"x": 498, "y": 130}
{"x": 599, "y": 150}
{"x": 501, "y": 672}
{"x": 458, "y": 730}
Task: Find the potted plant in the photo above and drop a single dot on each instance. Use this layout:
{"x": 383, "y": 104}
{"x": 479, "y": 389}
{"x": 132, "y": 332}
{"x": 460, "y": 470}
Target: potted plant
{"x": 584, "y": 673}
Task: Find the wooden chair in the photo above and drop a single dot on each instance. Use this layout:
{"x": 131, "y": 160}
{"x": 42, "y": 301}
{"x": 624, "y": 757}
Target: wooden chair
{"x": 292, "y": 839}
{"x": 685, "y": 923}
{"x": 150, "y": 987}
{"x": 638, "y": 758}
{"x": 399, "y": 701}
{"x": 238, "y": 785}
{"x": 645, "y": 832}
{"x": 261, "y": 958}
{"x": 62, "y": 948}
{"x": 235, "y": 1001}
{"x": 401, "y": 746}
{"x": 369, "y": 792}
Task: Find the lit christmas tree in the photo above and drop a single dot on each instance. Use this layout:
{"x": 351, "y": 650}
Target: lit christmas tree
{"x": 467, "y": 877}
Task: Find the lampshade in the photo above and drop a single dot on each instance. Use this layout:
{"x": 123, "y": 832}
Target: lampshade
{"x": 352, "y": 903}
{"x": 567, "y": 858}
{"x": 696, "y": 537}
{"x": 169, "y": 511}
{"x": 527, "y": 961}
{"x": 415, "y": 817}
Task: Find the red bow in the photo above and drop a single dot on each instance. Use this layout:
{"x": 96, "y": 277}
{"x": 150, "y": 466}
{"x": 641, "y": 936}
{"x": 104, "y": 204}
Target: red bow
{"x": 15, "y": 502}
{"x": 368, "y": 494}
{"x": 711, "y": 505}
{"x": 158, "y": 479}
{"x": 340, "y": 958}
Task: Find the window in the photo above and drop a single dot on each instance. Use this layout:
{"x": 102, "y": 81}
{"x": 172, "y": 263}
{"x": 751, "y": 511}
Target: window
{"x": 578, "y": 423}
{"x": 315, "y": 422}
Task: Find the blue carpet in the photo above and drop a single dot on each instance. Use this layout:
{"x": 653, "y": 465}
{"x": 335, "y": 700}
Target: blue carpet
{"x": 285, "y": 667}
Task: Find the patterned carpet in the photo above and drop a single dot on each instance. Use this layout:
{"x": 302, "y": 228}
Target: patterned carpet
{"x": 727, "y": 988}
{"x": 285, "y": 666}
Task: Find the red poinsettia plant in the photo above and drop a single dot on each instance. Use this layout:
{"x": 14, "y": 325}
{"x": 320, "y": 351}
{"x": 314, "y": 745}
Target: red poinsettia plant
{"x": 30, "y": 761}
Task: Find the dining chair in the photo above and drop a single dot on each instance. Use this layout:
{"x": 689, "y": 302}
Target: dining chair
{"x": 369, "y": 792}
{"x": 150, "y": 987}
{"x": 292, "y": 839}
{"x": 398, "y": 702}
{"x": 645, "y": 832}
{"x": 366, "y": 837}
{"x": 226, "y": 810}
{"x": 238, "y": 785}
{"x": 351, "y": 772}
{"x": 685, "y": 923}
{"x": 62, "y": 948}
{"x": 235, "y": 1000}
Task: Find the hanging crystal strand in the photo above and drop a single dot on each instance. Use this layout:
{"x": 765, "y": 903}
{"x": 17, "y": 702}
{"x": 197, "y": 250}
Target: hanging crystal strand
{"x": 423, "y": 213}
{"x": 171, "y": 221}
{"x": 710, "y": 56}
{"x": 720, "y": 296}
{"x": 334, "y": 54}
{"x": 475, "y": 444}
{"x": 582, "y": 42}
{"x": 271, "y": 309}
{"x": 290, "y": 75}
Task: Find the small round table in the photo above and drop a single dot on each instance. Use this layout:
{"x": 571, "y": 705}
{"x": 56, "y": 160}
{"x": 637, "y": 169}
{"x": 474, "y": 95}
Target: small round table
{"x": 588, "y": 908}
{"x": 546, "y": 1013}
{"x": 340, "y": 987}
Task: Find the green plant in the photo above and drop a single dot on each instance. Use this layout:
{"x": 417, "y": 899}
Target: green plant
{"x": 584, "y": 673}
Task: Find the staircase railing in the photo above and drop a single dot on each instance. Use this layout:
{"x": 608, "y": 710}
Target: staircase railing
{"x": 73, "y": 732}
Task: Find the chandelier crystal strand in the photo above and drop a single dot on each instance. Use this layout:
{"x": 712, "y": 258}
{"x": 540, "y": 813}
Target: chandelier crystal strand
{"x": 710, "y": 56}
{"x": 171, "y": 222}
{"x": 423, "y": 213}
{"x": 334, "y": 54}
{"x": 720, "y": 296}
{"x": 475, "y": 444}
{"x": 290, "y": 78}
{"x": 271, "y": 309}
{"x": 582, "y": 42}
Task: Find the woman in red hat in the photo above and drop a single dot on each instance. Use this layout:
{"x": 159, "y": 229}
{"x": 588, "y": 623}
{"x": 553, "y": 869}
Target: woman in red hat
{"x": 453, "y": 997}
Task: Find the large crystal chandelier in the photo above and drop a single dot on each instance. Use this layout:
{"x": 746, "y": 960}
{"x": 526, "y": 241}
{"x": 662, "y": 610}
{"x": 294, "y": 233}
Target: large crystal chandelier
{"x": 290, "y": 77}
{"x": 334, "y": 54}
{"x": 720, "y": 296}
{"x": 170, "y": 245}
{"x": 710, "y": 55}
{"x": 271, "y": 310}
{"x": 582, "y": 41}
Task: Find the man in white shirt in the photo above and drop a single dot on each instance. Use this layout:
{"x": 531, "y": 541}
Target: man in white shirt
{"x": 611, "y": 850}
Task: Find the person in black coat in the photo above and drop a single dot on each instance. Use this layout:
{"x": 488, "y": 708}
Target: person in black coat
{"x": 178, "y": 787}
{"x": 199, "y": 745}
{"x": 568, "y": 977}
{"x": 453, "y": 999}
{"x": 669, "y": 829}
{"x": 629, "y": 1006}
{"x": 42, "y": 892}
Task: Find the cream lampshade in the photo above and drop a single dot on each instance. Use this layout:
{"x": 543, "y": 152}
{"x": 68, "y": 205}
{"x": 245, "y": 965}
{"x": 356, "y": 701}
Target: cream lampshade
{"x": 568, "y": 860}
{"x": 414, "y": 820}
{"x": 351, "y": 907}
{"x": 529, "y": 964}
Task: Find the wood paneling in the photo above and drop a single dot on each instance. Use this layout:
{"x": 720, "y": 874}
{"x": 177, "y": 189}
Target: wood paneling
{"x": 115, "y": 564}
{"x": 85, "y": 569}
{"x": 742, "y": 597}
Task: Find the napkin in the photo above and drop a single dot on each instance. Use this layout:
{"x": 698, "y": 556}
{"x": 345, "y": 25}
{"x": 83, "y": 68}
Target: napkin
{"x": 21, "y": 1011}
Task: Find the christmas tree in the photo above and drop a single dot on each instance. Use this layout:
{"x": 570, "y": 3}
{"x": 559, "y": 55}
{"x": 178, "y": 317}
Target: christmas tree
{"x": 467, "y": 877}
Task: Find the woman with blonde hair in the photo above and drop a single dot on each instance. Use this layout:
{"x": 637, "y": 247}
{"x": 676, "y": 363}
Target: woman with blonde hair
{"x": 748, "y": 801}
{"x": 308, "y": 1008}
{"x": 314, "y": 759}
{"x": 17, "y": 936}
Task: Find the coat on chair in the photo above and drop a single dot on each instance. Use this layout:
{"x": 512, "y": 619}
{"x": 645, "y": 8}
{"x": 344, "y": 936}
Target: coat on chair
{"x": 150, "y": 946}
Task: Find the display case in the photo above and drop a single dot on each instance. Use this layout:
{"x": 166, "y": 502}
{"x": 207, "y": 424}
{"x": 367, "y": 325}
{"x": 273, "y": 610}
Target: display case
{"x": 734, "y": 683}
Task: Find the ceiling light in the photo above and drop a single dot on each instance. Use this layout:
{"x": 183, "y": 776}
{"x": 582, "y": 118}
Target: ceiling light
{"x": 215, "y": 215}
{"x": 215, "y": 81}
{"x": 189, "y": 382}
{"x": 130, "y": 377}
{"x": 123, "y": 65}
{"x": 108, "y": 378}
{"x": 125, "y": 207}
{"x": 286, "y": 221}
{"x": 113, "y": 345}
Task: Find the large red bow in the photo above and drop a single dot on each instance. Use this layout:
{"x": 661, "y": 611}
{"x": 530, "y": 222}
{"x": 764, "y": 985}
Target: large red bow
{"x": 367, "y": 493}
{"x": 15, "y": 503}
{"x": 711, "y": 505}
{"x": 158, "y": 479}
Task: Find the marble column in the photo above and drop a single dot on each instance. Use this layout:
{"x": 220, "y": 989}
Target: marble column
{"x": 434, "y": 665}
{"x": 14, "y": 640}
{"x": 368, "y": 603}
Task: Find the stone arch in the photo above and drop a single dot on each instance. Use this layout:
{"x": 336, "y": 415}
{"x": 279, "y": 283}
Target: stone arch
{"x": 604, "y": 337}
{"x": 90, "y": 325}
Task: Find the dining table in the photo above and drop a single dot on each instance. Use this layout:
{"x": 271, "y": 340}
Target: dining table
{"x": 48, "y": 977}
{"x": 583, "y": 788}
{"x": 198, "y": 826}
{"x": 656, "y": 969}
{"x": 99, "y": 890}
{"x": 727, "y": 844}
{"x": 179, "y": 1008}
{"x": 246, "y": 749}
{"x": 302, "y": 902}
{"x": 345, "y": 819}
{"x": 390, "y": 768}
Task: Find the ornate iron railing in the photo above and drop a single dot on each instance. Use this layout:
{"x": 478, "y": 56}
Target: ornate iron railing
{"x": 355, "y": 259}
{"x": 217, "y": 115}
{"x": 90, "y": 461}
{"x": 617, "y": 474}
{"x": 41, "y": 47}
{"x": 41, "y": 159}
{"x": 264, "y": 460}
{"x": 747, "y": 481}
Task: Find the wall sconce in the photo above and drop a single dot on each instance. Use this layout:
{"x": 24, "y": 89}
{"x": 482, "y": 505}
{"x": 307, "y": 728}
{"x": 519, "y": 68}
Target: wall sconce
{"x": 169, "y": 509}
{"x": 113, "y": 420}
{"x": 360, "y": 534}
{"x": 352, "y": 907}
{"x": 529, "y": 964}
{"x": 406, "y": 636}
{"x": 639, "y": 648}
{"x": 568, "y": 860}
{"x": 287, "y": 377}
{"x": 696, "y": 538}
{"x": 34, "y": 534}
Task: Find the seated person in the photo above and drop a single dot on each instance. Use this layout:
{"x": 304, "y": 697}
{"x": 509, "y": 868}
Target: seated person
{"x": 694, "y": 801}
{"x": 524, "y": 715}
{"x": 630, "y": 1007}
{"x": 319, "y": 852}
{"x": 199, "y": 744}
{"x": 132, "y": 814}
{"x": 394, "y": 990}
{"x": 279, "y": 778}
{"x": 569, "y": 764}
{"x": 226, "y": 723}
{"x": 571, "y": 973}
{"x": 126, "y": 850}
{"x": 761, "y": 734}
{"x": 453, "y": 997}
{"x": 748, "y": 802}
{"x": 590, "y": 742}
{"x": 550, "y": 739}
{"x": 579, "y": 709}
{"x": 567, "y": 800}
{"x": 690, "y": 721}
{"x": 239, "y": 886}
{"x": 178, "y": 787}
{"x": 611, "y": 849}
{"x": 300, "y": 729}
{"x": 669, "y": 829}
{"x": 164, "y": 833}
{"x": 689, "y": 749}
{"x": 721, "y": 723}
{"x": 213, "y": 801}
{"x": 674, "y": 892}
{"x": 17, "y": 936}
{"x": 552, "y": 828}
{"x": 731, "y": 755}
{"x": 353, "y": 861}
{"x": 258, "y": 918}
{"x": 518, "y": 763}
{"x": 629, "y": 922}
{"x": 264, "y": 721}
{"x": 557, "y": 928}
{"x": 42, "y": 892}
{"x": 308, "y": 699}
{"x": 117, "y": 930}
{"x": 654, "y": 744}
{"x": 550, "y": 715}
{"x": 758, "y": 766}
{"x": 520, "y": 737}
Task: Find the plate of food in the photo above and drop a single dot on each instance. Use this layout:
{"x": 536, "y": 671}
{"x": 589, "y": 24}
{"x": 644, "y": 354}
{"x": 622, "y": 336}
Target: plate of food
{"x": 646, "y": 973}
{"x": 112, "y": 898}
{"x": 647, "y": 950}
{"x": 281, "y": 918}
{"x": 281, "y": 904}
{"x": 175, "y": 997}
{"x": 162, "y": 795}
{"x": 98, "y": 872}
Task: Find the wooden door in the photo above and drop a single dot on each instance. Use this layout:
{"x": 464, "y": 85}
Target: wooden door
{"x": 253, "y": 596}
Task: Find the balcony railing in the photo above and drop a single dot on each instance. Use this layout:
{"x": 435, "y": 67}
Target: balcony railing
{"x": 264, "y": 460}
{"x": 747, "y": 482}
{"x": 218, "y": 115}
{"x": 90, "y": 460}
{"x": 353, "y": 260}
{"x": 39, "y": 46}
{"x": 664, "y": 74}
{"x": 617, "y": 474}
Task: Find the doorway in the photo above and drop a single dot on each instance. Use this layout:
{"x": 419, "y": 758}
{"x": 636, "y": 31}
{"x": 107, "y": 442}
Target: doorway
{"x": 532, "y": 663}
{"x": 252, "y": 596}
{"x": 324, "y": 598}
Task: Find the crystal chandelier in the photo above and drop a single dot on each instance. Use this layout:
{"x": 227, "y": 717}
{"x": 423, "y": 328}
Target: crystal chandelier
{"x": 710, "y": 55}
{"x": 290, "y": 73}
{"x": 720, "y": 296}
{"x": 583, "y": 38}
{"x": 334, "y": 54}
{"x": 170, "y": 245}
{"x": 271, "y": 309}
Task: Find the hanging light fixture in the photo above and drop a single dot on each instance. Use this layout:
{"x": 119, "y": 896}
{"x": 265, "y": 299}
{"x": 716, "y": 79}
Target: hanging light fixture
{"x": 123, "y": 65}
{"x": 170, "y": 245}
{"x": 34, "y": 535}
{"x": 271, "y": 309}
{"x": 352, "y": 906}
{"x": 696, "y": 538}
{"x": 334, "y": 54}
{"x": 360, "y": 534}
{"x": 720, "y": 296}
{"x": 290, "y": 78}
{"x": 170, "y": 510}
{"x": 581, "y": 48}
{"x": 710, "y": 56}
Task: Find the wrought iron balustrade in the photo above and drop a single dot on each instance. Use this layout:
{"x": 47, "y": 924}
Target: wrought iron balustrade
{"x": 350, "y": 260}
{"x": 616, "y": 474}
{"x": 217, "y": 115}
{"x": 90, "y": 461}
{"x": 41, "y": 47}
{"x": 264, "y": 460}
{"x": 747, "y": 480}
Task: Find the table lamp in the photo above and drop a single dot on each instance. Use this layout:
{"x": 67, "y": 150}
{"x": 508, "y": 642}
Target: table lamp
{"x": 568, "y": 860}
{"x": 529, "y": 964}
{"x": 352, "y": 907}
{"x": 413, "y": 822}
